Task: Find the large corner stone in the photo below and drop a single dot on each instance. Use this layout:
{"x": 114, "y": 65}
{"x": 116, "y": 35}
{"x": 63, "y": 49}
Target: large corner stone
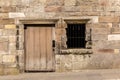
{"x": 11, "y": 71}
{"x": 11, "y": 26}
{"x": 9, "y": 58}
{"x": 9, "y": 32}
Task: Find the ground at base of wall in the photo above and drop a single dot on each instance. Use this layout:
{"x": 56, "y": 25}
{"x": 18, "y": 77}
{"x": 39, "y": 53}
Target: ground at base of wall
{"x": 109, "y": 74}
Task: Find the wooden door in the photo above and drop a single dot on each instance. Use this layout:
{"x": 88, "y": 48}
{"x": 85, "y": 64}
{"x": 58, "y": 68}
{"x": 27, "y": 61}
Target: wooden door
{"x": 39, "y": 52}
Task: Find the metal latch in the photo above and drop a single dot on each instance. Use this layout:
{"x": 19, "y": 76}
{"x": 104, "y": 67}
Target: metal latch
{"x": 53, "y": 43}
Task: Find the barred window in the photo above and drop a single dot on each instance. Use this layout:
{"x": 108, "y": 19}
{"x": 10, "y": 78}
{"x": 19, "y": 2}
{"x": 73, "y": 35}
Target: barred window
{"x": 76, "y": 35}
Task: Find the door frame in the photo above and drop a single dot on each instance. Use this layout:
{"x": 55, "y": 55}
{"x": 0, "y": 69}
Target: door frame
{"x": 21, "y": 26}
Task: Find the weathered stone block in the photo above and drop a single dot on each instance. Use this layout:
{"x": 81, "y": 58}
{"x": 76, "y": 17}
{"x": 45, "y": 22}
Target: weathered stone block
{"x": 21, "y": 38}
{"x": 20, "y": 58}
{"x": 115, "y": 25}
{"x": 100, "y": 31}
{"x": 9, "y": 32}
{"x": 6, "y": 21}
{"x": 86, "y": 8}
{"x": 53, "y": 8}
{"x": 54, "y": 2}
{"x": 5, "y": 9}
{"x": 12, "y": 46}
{"x": 114, "y": 43}
{"x": 1, "y": 32}
{"x": 105, "y": 51}
{"x": 81, "y": 9}
{"x": 100, "y": 25}
{"x": 16, "y": 15}
{"x": 21, "y": 45}
{"x": 4, "y": 39}
{"x": 87, "y": 2}
{"x": 57, "y": 57}
{"x": 3, "y": 46}
{"x": 70, "y": 2}
{"x": 3, "y": 15}
{"x": 14, "y": 52}
{"x": 1, "y": 26}
{"x": 90, "y": 13}
{"x": 33, "y": 2}
{"x": 116, "y": 51}
{"x": 112, "y": 8}
{"x": 114, "y": 37}
{"x": 115, "y": 30}
{"x": 59, "y": 31}
{"x": 8, "y": 2}
{"x": 71, "y": 8}
{"x": 1, "y": 69}
{"x": 58, "y": 38}
{"x": 99, "y": 44}
{"x": 80, "y": 62}
{"x": 35, "y": 9}
{"x": 99, "y": 9}
{"x": 100, "y": 61}
{"x": 108, "y": 19}
{"x": 95, "y": 19}
{"x": 66, "y": 64}
{"x": 12, "y": 39}
{"x": 11, "y": 26}
{"x": 11, "y": 71}
{"x": 20, "y": 52}
{"x": 104, "y": 2}
{"x": 99, "y": 37}
{"x": 104, "y": 44}
{"x": 21, "y": 31}
{"x": 9, "y": 58}
{"x": 43, "y": 1}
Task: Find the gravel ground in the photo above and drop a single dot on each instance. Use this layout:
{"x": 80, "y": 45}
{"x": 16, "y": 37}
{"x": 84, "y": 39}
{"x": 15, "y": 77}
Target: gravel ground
{"x": 106, "y": 74}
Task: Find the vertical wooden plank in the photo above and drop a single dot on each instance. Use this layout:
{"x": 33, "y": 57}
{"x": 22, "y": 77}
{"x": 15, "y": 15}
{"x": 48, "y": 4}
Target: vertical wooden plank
{"x": 40, "y": 41}
{"x": 36, "y": 48}
{"x": 43, "y": 48}
{"x": 53, "y": 54}
{"x": 31, "y": 48}
{"x": 49, "y": 48}
{"x": 26, "y": 49}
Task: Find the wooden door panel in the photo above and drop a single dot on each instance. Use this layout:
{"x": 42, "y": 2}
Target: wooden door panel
{"x": 43, "y": 48}
{"x": 36, "y": 48}
{"x": 30, "y": 52}
{"x": 49, "y": 50}
{"x": 39, "y": 52}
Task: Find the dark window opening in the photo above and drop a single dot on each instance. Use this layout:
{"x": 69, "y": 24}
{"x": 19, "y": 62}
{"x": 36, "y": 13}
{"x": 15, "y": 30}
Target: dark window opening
{"x": 76, "y": 35}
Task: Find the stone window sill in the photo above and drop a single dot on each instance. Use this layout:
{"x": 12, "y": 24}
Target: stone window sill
{"x": 77, "y": 51}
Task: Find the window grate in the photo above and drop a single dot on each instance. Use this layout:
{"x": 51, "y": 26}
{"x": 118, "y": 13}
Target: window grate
{"x": 76, "y": 36}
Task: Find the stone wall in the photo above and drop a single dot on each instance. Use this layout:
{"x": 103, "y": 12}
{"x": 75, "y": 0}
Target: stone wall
{"x": 71, "y": 62}
{"x": 104, "y": 18}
